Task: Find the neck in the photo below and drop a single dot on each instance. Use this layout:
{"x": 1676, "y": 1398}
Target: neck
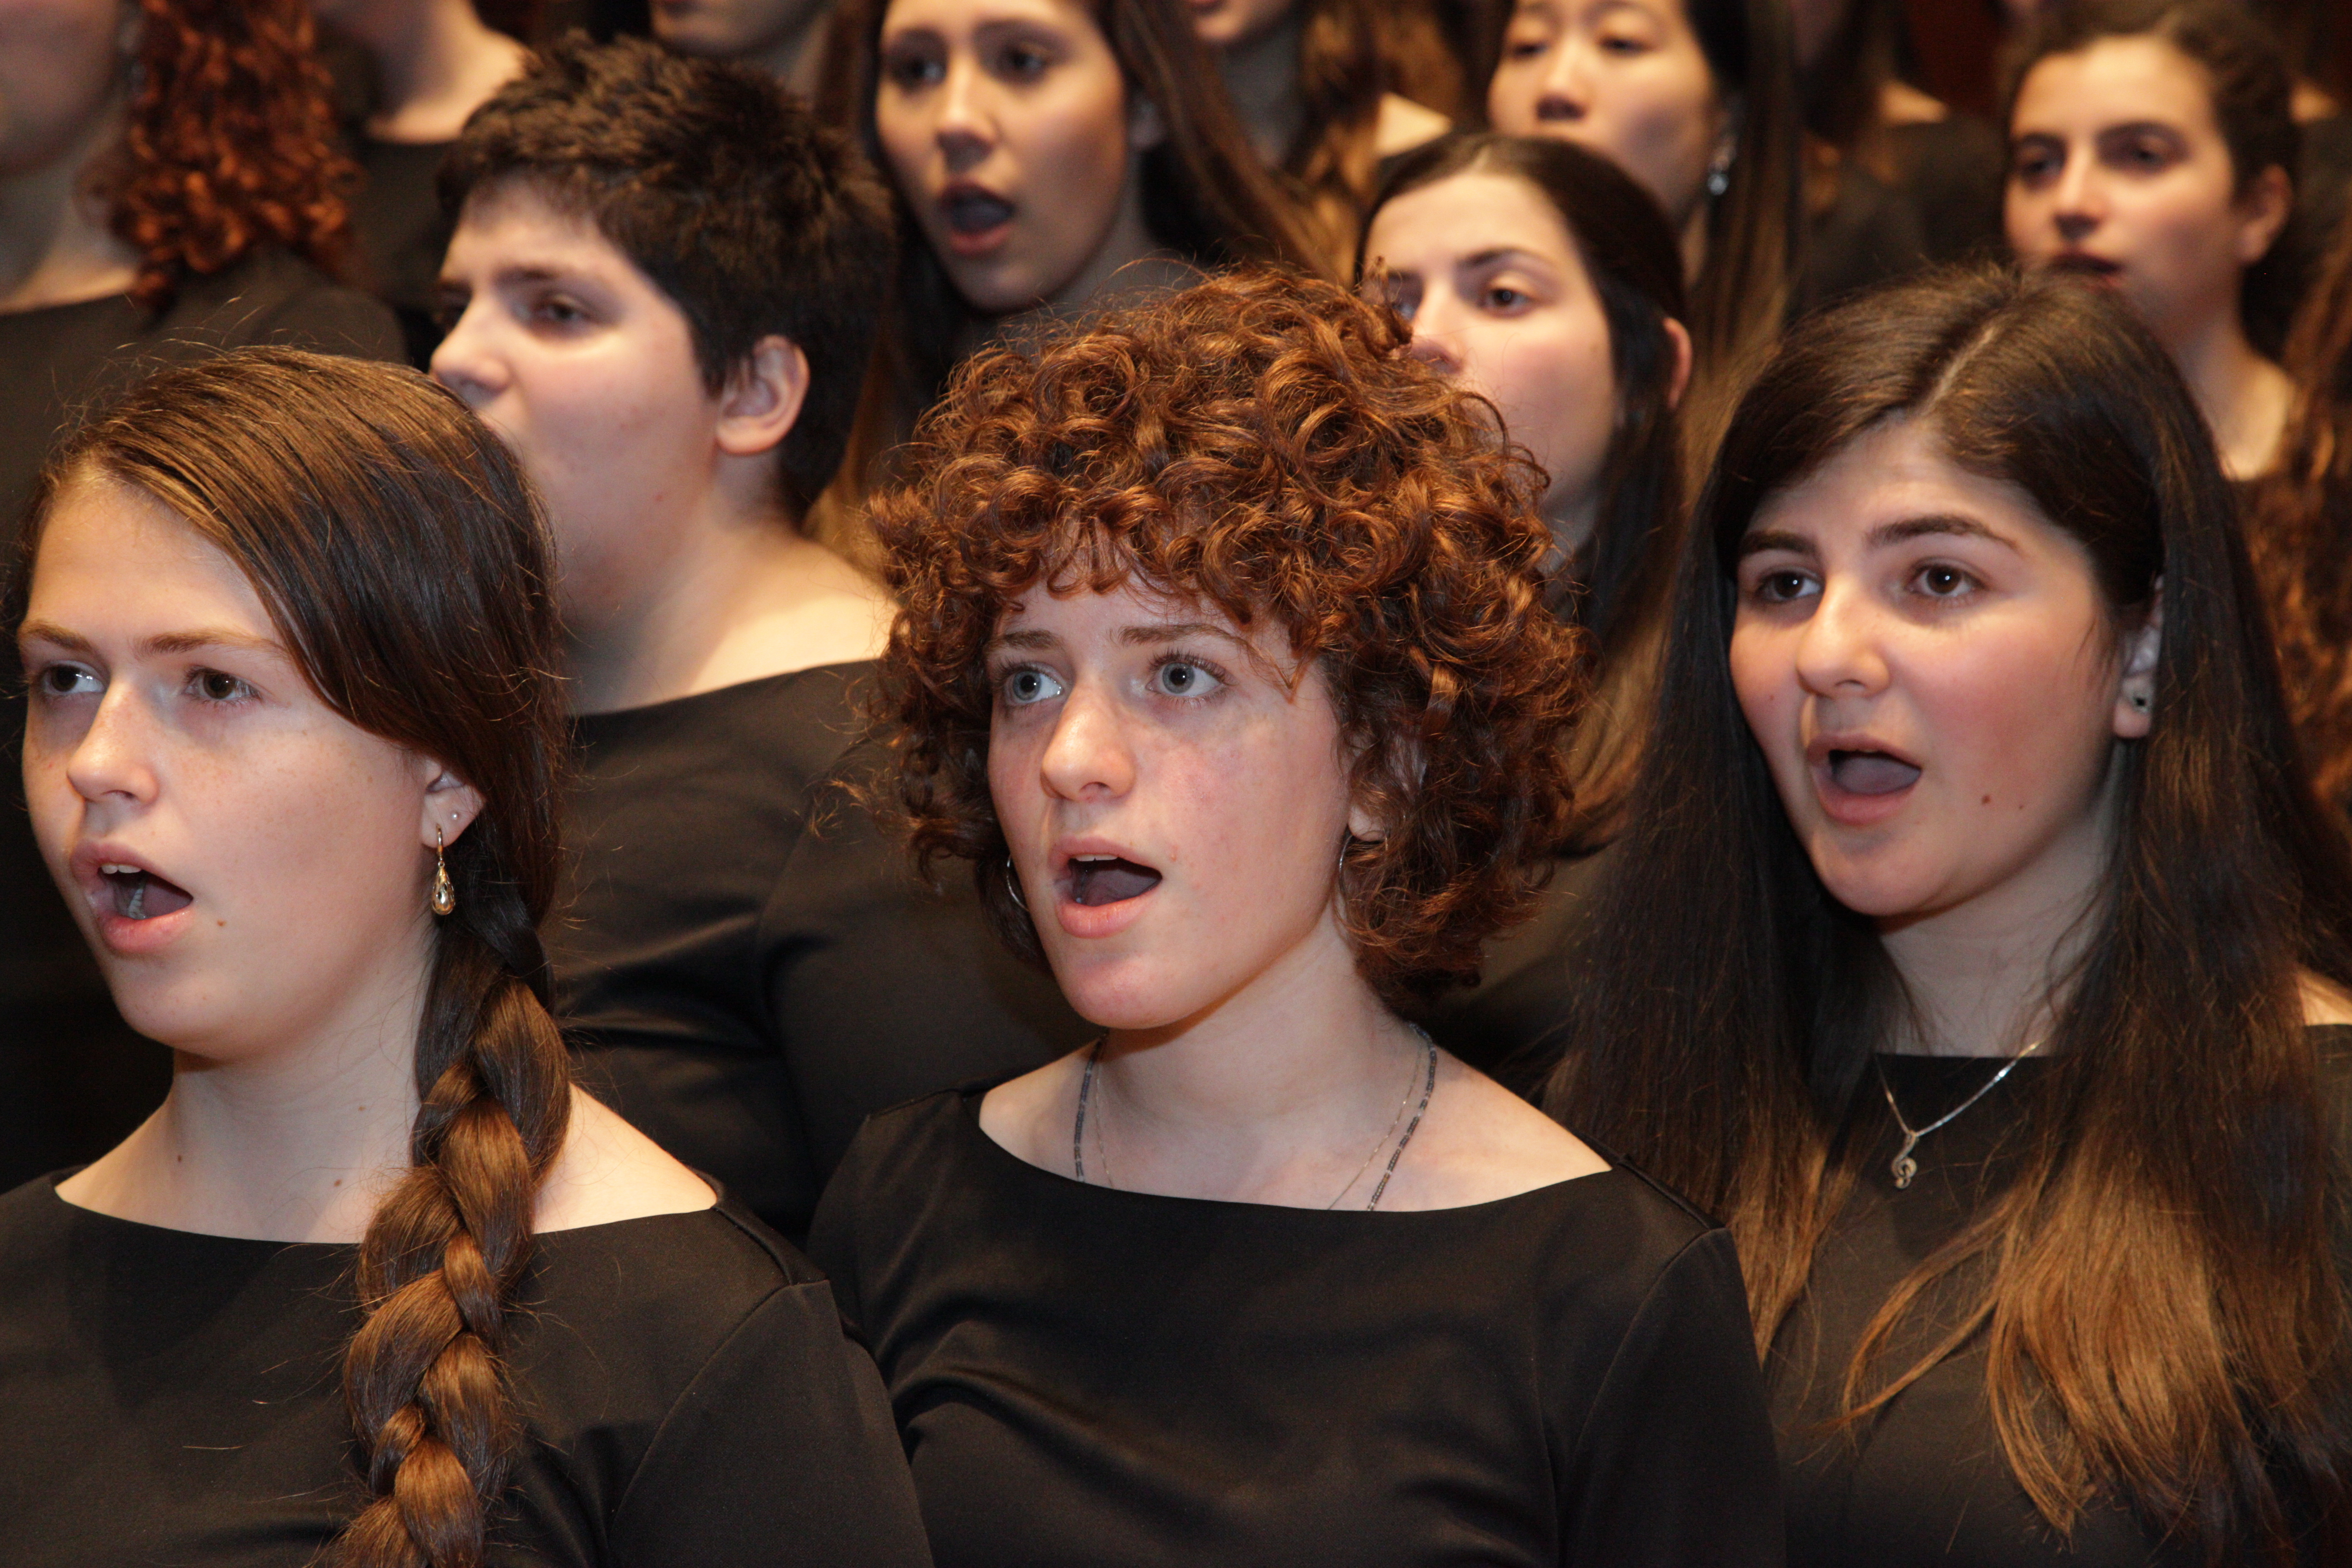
{"x": 2244, "y": 398}
{"x": 1571, "y": 517}
{"x": 795, "y": 56}
{"x": 1273, "y": 1088}
{"x": 1262, "y": 77}
{"x": 1128, "y": 241}
{"x": 436, "y": 63}
{"x": 736, "y": 596}
{"x": 295, "y": 1142}
{"x": 1694, "y": 240}
{"x": 1987, "y": 976}
{"x": 55, "y": 246}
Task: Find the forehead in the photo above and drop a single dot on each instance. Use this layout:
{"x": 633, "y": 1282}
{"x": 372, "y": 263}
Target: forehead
{"x": 1672, "y": 13}
{"x": 958, "y": 16}
{"x": 1469, "y": 213}
{"x": 518, "y": 222}
{"x": 112, "y": 549}
{"x": 1896, "y": 472}
{"x": 2116, "y": 81}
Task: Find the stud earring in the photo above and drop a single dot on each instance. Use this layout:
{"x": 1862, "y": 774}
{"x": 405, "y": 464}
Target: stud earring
{"x": 2140, "y": 701}
{"x": 1012, "y": 885}
{"x": 1718, "y": 171}
{"x": 445, "y": 892}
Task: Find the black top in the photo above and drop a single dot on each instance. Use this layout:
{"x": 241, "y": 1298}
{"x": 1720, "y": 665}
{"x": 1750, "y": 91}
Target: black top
{"x": 73, "y": 1078}
{"x": 743, "y": 955}
{"x": 401, "y": 235}
{"x": 689, "y": 1400}
{"x": 1927, "y": 1482}
{"x": 1087, "y": 1376}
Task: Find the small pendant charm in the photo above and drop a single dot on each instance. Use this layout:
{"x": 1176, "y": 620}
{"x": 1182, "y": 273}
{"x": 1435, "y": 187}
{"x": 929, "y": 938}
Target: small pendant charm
{"x": 1904, "y": 1167}
{"x": 445, "y": 892}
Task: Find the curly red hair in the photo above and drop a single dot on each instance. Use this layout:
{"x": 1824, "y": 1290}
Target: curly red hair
{"x": 231, "y": 144}
{"x": 1259, "y": 444}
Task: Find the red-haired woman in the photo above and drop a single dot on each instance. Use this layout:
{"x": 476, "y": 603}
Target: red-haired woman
{"x": 168, "y": 186}
{"x": 1226, "y": 663}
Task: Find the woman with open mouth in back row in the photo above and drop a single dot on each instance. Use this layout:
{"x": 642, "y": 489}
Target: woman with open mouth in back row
{"x": 1224, "y": 660}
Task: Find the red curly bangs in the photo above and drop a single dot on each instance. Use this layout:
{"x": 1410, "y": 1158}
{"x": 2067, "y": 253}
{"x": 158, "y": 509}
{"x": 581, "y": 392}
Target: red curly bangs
{"x": 1259, "y": 444}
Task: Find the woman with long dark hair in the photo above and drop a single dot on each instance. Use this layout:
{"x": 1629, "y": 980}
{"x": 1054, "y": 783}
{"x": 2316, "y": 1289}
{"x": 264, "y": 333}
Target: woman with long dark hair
{"x": 1225, "y": 664}
{"x": 1697, "y": 100}
{"x": 376, "y": 1287}
{"x": 1965, "y": 946}
{"x": 1048, "y": 156}
{"x": 2153, "y": 148}
{"x": 170, "y": 185}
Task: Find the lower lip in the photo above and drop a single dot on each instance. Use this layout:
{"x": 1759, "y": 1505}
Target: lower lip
{"x": 1093, "y": 921}
{"x": 1847, "y": 809}
{"x": 127, "y": 938}
{"x": 972, "y": 244}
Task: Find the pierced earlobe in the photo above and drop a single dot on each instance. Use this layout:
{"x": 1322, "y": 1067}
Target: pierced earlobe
{"x": 1012, "y": 885}
{"x": 445, "y": 892}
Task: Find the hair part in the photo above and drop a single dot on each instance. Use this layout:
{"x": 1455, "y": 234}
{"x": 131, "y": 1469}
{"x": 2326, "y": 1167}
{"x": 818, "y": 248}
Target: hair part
{"x": 754, "y": 217}
{"x": 2157, "y": 1294}
{"x": 395, "y": 544}
{"x": 1259, "y": 444}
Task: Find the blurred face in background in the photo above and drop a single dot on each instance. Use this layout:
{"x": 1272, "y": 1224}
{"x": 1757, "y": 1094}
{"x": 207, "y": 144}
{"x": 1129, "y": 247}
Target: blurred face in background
{"x": 62, "y": 64}
{"x": 1624, "y": 78}
{"x": 1484, "y": 268}
{"x": 1011, "y": 132}
{"x": 730, "y": 29}
{"x": 2118, "y": 171}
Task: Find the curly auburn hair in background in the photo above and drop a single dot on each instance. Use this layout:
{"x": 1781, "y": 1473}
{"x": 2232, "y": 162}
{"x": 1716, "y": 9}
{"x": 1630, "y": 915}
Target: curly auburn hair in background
{"x": 398, "y": 549}
{"x": 1258, "y": 444}
{"x": 230, "y": 144}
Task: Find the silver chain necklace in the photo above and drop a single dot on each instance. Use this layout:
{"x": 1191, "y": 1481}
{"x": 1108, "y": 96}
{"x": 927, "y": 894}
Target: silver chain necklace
{"x": 1428, "y": 1087}
{"x": 1904, "y": 1167}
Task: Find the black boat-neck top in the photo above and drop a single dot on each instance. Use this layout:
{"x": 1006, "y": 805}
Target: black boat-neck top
{"x": 744, "y": 958}
{"x": 689, "y": 1396}
{"x": 1926, "y": 1483}
{"x": 1085, "y": 1376}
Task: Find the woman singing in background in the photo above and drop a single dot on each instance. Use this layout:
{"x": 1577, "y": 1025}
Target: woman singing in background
{"x": 1225, "y": 661}
{"x": 376, "y": 1287}
{"x": 1977, "y": 949}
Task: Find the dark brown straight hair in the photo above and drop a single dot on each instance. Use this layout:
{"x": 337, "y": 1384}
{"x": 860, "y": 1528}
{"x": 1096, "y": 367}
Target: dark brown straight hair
{"x": 2163, "y": 1320}
{"x": 1206, "y": 197}
{"x": 2300, "y": 528}
{"x": 402, "y": 561}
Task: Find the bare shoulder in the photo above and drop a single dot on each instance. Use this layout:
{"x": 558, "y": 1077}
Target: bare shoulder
{"x": 1029, "y": 1117}
{"x": 610, "y": 1172}
{"x": 1404, "y": 125}
{"x": 1480, "y": 1142}
{"x": 2324, "y": 1001}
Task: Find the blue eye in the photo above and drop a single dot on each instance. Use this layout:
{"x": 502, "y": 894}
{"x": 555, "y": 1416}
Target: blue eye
{"x": 1023, "y": 687}
{"x": 1182, "y": 677}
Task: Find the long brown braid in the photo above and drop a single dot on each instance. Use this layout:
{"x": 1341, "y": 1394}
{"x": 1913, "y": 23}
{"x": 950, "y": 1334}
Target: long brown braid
{"x": 404, "y": 563}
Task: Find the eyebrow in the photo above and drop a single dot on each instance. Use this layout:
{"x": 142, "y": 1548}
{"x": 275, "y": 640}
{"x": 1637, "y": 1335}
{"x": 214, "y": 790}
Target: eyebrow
{"x": 161, "y": 643}
{"x": 1948, "y": 524}
{"x": 1139, "y": 634}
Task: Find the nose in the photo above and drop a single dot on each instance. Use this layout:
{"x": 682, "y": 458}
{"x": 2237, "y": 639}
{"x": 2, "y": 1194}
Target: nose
{"x": 1839, "y": 653}
{"x": 1437, "y": 331}
{"x": 967, "y": 119}
{"x": 1088, "y": 757}
{"x": 1567, "y": 94}
{"x": 466, "y": 362}
{"x": 2079, "y": 201}
{"x": 113, "y": 760}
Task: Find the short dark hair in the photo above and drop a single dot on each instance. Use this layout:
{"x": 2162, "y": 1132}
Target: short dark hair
{"x": 1257, "y": 443}
{"x": 720, "y": 187}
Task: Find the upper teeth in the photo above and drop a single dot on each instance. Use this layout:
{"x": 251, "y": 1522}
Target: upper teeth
{"x": 113, "y": 870}
{"x": 1094, "y": 857}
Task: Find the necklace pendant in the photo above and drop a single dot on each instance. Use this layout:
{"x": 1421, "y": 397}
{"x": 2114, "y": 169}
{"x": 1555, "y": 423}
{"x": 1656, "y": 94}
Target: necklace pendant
{"x": 1904, "y": 1167}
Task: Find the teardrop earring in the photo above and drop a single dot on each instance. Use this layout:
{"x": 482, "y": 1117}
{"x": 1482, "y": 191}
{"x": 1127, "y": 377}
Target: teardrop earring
{"x": 445, "y": 892}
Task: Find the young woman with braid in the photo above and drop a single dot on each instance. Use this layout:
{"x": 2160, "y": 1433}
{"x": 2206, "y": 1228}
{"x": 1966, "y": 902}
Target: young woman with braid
{"x": 376, "y": 1287}
{"x": 1977, "y": 949}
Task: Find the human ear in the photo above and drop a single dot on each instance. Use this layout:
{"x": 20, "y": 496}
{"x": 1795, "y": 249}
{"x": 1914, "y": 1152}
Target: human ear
{"x": 450, "y": 806}
{"x": 2135, "y": 691}
{"x": 762, "y": 398}
{"x": 1145, "y": 127}
{"x": 2263, "y": 212}
{"x": 1678, "y": 379}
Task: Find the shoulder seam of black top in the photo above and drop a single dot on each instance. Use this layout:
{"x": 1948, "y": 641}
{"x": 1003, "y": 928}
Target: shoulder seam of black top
{"x": 1649, "y": 1299}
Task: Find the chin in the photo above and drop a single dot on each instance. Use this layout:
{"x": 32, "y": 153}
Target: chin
{"x": 1111, "y": 994}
